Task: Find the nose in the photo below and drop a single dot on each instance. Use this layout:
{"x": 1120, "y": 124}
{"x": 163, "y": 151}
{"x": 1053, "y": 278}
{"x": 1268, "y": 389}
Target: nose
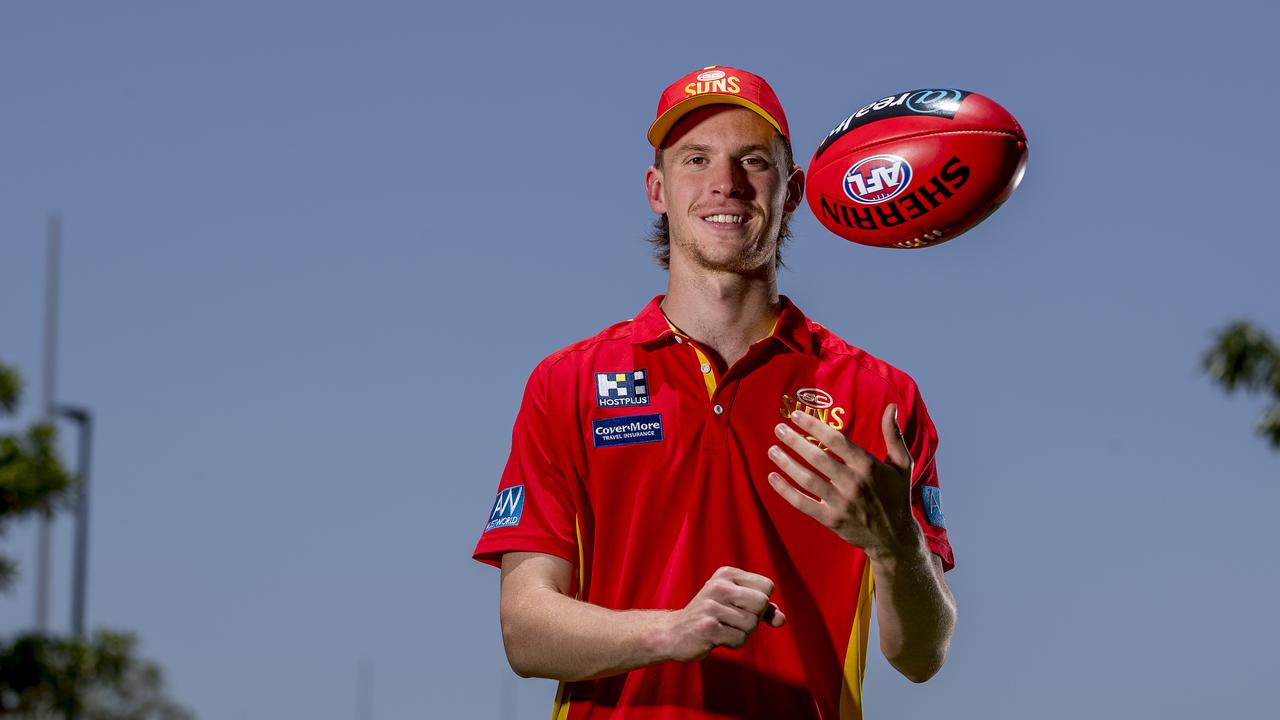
{"x": 728, "y": 179}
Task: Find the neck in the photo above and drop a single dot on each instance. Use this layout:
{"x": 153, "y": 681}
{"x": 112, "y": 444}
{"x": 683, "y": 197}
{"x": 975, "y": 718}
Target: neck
{"x": 724, "y": 312}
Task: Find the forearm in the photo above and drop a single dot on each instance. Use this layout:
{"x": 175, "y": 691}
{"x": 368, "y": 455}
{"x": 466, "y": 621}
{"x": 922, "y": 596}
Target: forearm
{"x": 548, "y": 634}
{"x": 915, "y": 610}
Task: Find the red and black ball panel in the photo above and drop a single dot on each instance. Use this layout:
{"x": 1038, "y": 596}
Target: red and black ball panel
{"x": 916, "y": 168}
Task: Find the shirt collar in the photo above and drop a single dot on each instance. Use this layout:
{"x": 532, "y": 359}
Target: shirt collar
{"x": 792, "y": 329}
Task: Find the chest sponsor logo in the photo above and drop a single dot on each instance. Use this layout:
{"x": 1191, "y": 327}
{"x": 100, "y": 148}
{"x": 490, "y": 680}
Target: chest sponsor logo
{"x": 932, "y": 497}
{"x": 629, "y": 430}
{"x": 507, "y": 508}
{"x": 622, "y": 389}
{"x": 816, "y": 402}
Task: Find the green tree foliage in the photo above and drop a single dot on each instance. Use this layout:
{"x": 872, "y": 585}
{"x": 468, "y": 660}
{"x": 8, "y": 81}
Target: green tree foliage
{"x": 97, "y": 679}
{"x": 46, "y": 676}
{"x": 1243, "y": 357}
{"x": 31, "y": 477}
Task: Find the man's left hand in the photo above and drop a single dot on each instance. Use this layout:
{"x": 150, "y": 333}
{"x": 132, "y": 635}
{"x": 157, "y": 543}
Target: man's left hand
{"x": 863, "y": 500}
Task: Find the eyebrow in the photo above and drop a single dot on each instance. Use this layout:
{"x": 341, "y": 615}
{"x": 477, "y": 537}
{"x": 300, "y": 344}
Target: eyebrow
{"x": 691, "y": 148}
{"x": 754, "y": 147}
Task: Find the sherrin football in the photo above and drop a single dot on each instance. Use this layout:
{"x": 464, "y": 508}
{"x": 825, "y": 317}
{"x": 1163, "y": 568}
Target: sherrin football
{"x": 916, "y": 168}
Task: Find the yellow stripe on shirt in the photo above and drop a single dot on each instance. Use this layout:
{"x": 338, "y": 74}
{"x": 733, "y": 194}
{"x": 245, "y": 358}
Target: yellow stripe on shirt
{"x": 560, "y": 709}
{"x": 855, "y": 659}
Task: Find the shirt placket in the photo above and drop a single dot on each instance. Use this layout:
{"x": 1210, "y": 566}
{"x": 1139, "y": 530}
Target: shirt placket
{"x": 720, "y": 391}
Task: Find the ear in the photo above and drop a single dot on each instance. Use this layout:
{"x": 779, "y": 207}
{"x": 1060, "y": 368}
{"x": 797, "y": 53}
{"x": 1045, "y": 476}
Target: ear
{"x": 653, "y": 190}
{"x": 795, "y": 189}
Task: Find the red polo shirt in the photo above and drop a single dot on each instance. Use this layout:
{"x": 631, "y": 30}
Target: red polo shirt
{"x": 637, "y": 460}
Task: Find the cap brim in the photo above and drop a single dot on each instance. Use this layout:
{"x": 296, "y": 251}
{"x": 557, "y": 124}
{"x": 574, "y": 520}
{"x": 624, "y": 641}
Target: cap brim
{"x": 663, "y": 124}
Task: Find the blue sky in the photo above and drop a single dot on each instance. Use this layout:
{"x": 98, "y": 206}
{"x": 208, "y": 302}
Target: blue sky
{"x": 312, "y": 250}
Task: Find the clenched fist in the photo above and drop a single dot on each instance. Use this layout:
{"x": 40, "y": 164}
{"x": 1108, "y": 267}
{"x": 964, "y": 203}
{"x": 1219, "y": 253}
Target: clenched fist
{"x": 724, "y": 613}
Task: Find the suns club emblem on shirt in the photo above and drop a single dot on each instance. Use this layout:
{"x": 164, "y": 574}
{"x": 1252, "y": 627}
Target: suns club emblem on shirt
{"x": 622, "y": 389}
{"x": 816, "y": 402}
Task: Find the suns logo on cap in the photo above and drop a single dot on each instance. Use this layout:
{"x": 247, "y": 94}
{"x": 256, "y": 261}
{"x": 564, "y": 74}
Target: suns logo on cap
{"x": 714, "y": 81}
{"x": 877, "y": 178}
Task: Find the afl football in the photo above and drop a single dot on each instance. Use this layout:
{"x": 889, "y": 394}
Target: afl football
{"x": 917, "y": 168}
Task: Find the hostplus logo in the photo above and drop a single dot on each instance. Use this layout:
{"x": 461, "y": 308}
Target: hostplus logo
{"x": 622, "y": 389}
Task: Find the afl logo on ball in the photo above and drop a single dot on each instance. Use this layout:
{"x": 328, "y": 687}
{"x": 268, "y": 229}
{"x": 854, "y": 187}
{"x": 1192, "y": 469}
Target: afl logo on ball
{"x": 877, "y": 178}
{"x": 710, "y": 75}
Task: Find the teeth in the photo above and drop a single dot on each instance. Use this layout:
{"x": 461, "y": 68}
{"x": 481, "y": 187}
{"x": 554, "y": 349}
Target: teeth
{"x": 736, "y": 219}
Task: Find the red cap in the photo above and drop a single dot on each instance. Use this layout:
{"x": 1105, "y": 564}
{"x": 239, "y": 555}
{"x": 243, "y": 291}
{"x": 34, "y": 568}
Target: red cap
{"x": 716, "y": 84}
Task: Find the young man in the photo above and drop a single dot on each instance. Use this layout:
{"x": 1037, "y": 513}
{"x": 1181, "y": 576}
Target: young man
{"x": 698, "y": 499}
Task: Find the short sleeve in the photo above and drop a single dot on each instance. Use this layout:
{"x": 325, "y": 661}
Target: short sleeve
{"x": 926, "y": 493}
{"x": 535, "y": 507}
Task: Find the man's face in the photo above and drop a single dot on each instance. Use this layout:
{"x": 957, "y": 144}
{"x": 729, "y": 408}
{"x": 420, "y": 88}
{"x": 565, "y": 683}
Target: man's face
{"x": 724, "y": 189}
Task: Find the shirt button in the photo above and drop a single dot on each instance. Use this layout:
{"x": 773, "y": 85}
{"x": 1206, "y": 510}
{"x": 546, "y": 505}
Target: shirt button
{"x": 706, "y": 368}
{"x": 719, "y": 409}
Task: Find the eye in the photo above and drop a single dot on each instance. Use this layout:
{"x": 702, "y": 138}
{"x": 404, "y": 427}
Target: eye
{"x": 753, "y": 161}
{"x": 696, "y": 160}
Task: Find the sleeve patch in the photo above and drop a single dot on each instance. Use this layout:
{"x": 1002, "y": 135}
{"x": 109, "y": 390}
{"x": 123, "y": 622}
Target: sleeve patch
{"x": 932, "y": 497}
{"x": 507, "y": 508}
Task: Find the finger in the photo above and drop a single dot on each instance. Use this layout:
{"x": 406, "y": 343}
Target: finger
{"x": 824, "y": 463}
{"x": 797, "y": 499}
{"x": 843, "y": 447}
{"x": 752, "y": 581}
{"x": 899, "y": 455}
{"x": 817, "y": 486}
{"x": 748, "y": 599}
{"x": 726, "y": 572}
{"x": 735, "y": 617}
{"x": 773, "y": 616}
{"x": 731, "y": 637}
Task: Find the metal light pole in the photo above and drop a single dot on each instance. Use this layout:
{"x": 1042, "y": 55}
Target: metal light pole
{"x": 84, "y": 422}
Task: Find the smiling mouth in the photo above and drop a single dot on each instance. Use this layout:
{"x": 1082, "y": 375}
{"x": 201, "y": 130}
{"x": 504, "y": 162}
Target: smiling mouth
{"x": 725, "y": 219}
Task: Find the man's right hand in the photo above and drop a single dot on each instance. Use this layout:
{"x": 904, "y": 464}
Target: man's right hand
{"x": 724, "y": 613}
{"x": 549, "y": 634}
